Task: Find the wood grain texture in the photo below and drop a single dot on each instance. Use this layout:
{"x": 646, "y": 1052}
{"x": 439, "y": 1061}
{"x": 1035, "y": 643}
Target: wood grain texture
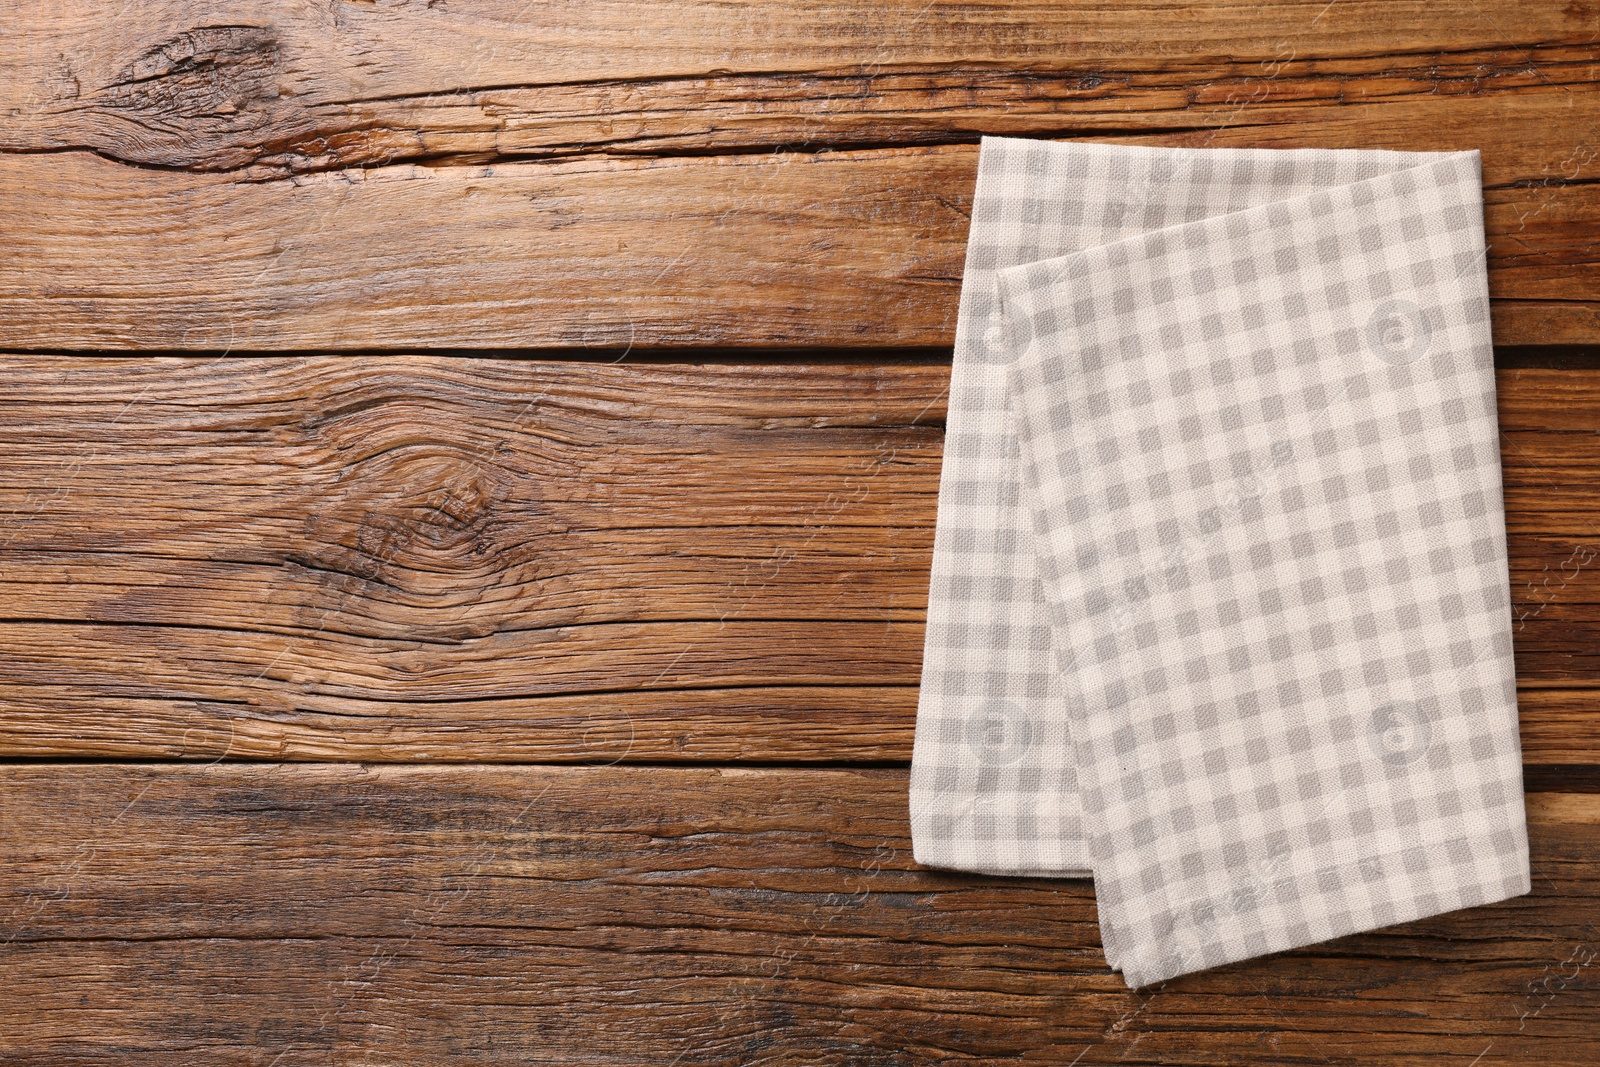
{"x": 236, "y": 915}
{"x": 352, "y": 175}
{"x": 296, "y": 86}
{"x": 421, "y": 562}
{"x": 414, "y": 558}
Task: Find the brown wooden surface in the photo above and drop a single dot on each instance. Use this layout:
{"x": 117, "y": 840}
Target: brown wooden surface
{"x": 354, "y": 175}
{"x": 298, "y": 87}
{"x": 409, "y": 557}
{"x": 417, "y": 589}
{"x": 476, "y": 915}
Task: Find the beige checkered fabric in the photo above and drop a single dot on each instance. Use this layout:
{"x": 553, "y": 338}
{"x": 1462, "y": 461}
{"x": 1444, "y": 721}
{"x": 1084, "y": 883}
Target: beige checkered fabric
{"x": 1219, "y": 606}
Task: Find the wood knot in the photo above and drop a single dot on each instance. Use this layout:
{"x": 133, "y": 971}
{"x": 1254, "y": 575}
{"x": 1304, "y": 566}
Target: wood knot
{"x": 208, "y": 88}
{"x": 412, "y": 517}
{"x": 449, "y": 500}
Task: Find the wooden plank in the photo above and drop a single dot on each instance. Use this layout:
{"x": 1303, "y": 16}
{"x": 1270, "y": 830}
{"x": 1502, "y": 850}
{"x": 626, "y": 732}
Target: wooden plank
{"x": 427, "y": 915}
{"x": 415, "y": 558}
{"x": 735, "y": 250}
{"x": 176, "y": 186}
{"x": 772, "y": 249}
{"x": 294, "y": 87}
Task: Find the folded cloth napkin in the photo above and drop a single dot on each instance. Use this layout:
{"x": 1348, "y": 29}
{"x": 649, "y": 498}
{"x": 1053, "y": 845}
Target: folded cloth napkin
{"x": 1219, "y": 606}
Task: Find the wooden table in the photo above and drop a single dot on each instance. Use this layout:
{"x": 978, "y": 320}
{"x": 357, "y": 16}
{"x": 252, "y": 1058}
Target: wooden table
{"x": 469, "y": 471}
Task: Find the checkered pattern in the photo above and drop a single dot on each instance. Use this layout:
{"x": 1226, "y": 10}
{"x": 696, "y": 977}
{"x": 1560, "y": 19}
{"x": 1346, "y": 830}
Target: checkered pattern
{"x": 1220, "y": 602}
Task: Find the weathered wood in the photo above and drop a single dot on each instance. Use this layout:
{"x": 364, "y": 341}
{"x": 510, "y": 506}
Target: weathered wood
{"x": 297, "y": 86}
{"x": 180, "y": 238}
{"x": 425, "y": 915}
{"x": 398, "y": 558}
{"x": 736, "y": 250}
{"x": 773, "y": 249}
{"x": 404, "y": 558}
